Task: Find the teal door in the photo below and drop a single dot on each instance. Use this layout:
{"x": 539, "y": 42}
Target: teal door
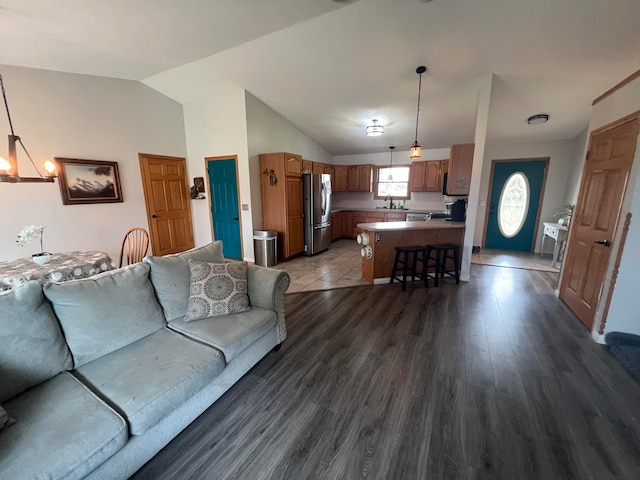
{"x": 224, "y": 206}
{"x": 513, "y": 206}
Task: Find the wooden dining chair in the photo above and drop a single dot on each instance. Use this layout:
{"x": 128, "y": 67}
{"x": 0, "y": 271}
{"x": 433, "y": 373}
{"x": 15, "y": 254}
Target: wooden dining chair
{"x": 134, "y": 246}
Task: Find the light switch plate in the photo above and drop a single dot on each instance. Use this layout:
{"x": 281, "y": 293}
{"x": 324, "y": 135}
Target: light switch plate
{"x": 245, "y": 206}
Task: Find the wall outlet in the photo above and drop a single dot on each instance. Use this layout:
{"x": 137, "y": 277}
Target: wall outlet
{"x": 377, "y": 237}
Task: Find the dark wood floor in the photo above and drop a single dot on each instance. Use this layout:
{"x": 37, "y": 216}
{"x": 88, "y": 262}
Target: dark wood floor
{"x": 492, "y": 379}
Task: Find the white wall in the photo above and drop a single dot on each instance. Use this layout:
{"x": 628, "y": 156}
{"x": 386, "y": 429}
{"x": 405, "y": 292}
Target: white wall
{"x": 623, "y": 313}
{"x": 431, "y": 201}
{"x": 216, "y": 126}
{"x": 561, "y": 156}
{"x": 574, "y": 177}
{"x": 86, "y": 117}
{"x": 267, "y": 132}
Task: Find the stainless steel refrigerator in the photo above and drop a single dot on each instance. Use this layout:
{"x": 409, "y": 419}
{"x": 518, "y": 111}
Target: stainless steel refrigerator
{"x": 316, "y": 192}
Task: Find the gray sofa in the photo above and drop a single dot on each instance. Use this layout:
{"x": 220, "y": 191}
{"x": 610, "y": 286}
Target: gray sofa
{"x": 101, "y": 373}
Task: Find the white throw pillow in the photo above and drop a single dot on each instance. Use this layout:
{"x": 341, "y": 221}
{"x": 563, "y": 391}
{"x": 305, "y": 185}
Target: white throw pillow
{"x": 217, "y": 289}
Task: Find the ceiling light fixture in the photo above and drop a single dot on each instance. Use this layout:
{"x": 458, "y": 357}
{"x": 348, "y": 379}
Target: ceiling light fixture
{"x": 415, "y": 148}
{"x": 375, "y": 130}
{"x": 390, "y": 177}
{"x": 9, "y": 167}
{"x": 538, "y": 119}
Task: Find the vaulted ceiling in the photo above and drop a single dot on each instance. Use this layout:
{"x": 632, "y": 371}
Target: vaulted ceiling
{"x": 330, "y": 67}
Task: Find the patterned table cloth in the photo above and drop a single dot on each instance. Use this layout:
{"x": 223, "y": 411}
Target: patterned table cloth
{"x": 62, "y": 267}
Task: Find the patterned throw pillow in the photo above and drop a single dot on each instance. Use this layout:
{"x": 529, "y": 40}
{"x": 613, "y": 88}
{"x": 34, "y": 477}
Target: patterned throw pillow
{"x": 217, "y": 289}
{"x": 5, "y": 420}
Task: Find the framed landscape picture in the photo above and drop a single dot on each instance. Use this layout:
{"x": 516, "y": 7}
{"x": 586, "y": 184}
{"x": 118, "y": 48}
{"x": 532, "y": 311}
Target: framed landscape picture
{"x": 88, "y": 181}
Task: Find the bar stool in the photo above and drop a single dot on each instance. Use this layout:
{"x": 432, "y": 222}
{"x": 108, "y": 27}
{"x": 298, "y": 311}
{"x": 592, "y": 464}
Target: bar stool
{"x": 439, "y": 254}
{"x": 409, "y": 261}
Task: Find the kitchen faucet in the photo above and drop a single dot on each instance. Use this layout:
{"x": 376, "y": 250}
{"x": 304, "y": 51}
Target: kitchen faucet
{"x": 390, "y": 198}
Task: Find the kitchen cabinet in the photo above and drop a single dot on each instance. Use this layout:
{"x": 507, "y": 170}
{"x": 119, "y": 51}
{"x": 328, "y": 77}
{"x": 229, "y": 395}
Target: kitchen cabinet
{"x": 360, "y": 178}
{"x": 428, "y": 176}
{"x": 307, "y": 166}
{"x": 281, "y": 190}
{"x": 336, "y": 225}
{"x": 357, "y": 217}
{"x": 329, "y": 170}
{"x": 341, "y": 177}
{"x": 395, "y": 217}
{"x": 373, "y": 217}
{"x": 318, "y": 167}
{"x": 460, "y": 164}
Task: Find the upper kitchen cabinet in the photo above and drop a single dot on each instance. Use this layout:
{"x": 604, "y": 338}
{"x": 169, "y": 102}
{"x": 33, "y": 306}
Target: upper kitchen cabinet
{"x": 292, "y": 164}
{"x": 341, "y": 178}
{"x": 460, "y": 163}
{"x": 318, "y": 167}
{"x": 427, "y": 176}
{"x": 329, "y": 170}
{"x": 307, "y": 166}
{"x": 360, "y": 178}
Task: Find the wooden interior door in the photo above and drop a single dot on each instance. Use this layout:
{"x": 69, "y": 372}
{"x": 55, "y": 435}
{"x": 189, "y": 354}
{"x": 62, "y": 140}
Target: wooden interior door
{"x": 166, "y": 195}
{"x": 595, "y": 218}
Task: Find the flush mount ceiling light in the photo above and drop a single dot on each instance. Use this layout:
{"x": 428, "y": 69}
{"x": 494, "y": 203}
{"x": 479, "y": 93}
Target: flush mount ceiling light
{"x": 375, "y": 130}
{"x": 415, "y": 148}
{"x": 9, "y": 167}
{"x": 538, "y": 119}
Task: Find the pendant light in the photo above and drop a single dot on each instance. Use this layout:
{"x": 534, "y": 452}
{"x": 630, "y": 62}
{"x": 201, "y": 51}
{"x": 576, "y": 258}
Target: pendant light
{"x": 390, "y": 177}
{"x": 415, "y": 148}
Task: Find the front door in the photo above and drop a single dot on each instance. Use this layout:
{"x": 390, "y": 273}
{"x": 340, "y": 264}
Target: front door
{"x": 514, "y": 203}
{"x": 166, "y": 195}
{"x": 223, "y": 185}
{"x": 595, "y": 218}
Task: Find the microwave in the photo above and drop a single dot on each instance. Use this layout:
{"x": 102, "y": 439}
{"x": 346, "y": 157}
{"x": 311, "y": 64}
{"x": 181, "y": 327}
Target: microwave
{"x": 445, "y": 178}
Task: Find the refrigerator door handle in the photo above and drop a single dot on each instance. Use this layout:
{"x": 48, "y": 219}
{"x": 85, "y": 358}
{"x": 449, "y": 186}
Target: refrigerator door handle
{"x": 323, "y": 196}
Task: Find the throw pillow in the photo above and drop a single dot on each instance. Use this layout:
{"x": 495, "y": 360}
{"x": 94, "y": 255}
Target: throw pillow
{"x": 217, "y": 289}
{"x": 5, "y": 420}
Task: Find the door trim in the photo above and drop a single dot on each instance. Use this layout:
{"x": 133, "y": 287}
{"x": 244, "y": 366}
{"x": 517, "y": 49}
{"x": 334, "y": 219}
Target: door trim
{"x": 540, "y": 201}
{"x": 207, "y": 185}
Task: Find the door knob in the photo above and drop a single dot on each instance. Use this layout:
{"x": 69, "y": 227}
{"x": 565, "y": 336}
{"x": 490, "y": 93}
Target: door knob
{"x": 236, "y": 218}
{"x": 606, "y": 243}
{"x": 154, "y": 216}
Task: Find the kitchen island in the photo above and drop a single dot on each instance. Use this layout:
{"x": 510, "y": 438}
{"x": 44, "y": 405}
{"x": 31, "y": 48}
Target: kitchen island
{"x": 383, "y": 237}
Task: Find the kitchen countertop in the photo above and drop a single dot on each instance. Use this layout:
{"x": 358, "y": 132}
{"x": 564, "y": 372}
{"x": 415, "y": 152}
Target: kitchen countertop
{"x": 390, "y": 210}
{"x": 400, "y": 226}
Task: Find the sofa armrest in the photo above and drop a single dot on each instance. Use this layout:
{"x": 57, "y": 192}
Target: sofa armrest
{"x": 266, "y": 287}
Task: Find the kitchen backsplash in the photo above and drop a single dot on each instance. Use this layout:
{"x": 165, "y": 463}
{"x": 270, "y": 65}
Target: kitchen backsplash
{"x": 429, "y": 201}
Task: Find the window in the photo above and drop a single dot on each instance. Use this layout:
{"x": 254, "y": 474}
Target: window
{"x": 513, "y": 205}
{"x": 397, "y": 186}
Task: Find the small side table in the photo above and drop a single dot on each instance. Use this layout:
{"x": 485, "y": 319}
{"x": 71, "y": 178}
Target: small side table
{"x": 559, "y": 234}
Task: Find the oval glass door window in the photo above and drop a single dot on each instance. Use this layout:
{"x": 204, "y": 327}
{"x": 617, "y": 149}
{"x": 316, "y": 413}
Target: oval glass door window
{"x": 513, "y": 205}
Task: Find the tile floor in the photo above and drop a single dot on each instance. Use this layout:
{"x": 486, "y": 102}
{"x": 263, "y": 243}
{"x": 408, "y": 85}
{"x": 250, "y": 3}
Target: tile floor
{"x": 338, "y": 267}
{"x": 341, "y": 266}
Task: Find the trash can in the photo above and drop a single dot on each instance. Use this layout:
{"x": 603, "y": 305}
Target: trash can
{"x": 265, "y": 247}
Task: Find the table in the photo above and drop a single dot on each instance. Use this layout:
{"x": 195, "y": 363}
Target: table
{"x": 62, "y": 267}
{"x": 559, "y": 234}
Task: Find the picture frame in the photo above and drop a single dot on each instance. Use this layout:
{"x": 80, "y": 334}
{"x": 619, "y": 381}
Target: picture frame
{"x": 88, "y": 181}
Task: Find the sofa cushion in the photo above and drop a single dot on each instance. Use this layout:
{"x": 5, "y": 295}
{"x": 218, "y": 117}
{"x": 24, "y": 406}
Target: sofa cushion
{"x": 171, "y": 278}
{"x": 103, "y": 313}
{"x": 63, "y": 431}
{"x": 32, "y": 348}
{"x": 229, "y": 333}
{"x": 146, "y": 380}
{"x": 217, "y": 289}
{"x": 5, "y": 420}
